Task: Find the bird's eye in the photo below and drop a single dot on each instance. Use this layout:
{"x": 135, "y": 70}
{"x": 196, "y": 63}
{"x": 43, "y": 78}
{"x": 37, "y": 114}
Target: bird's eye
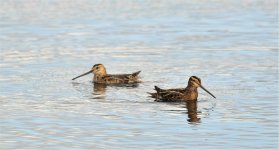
{"x": 97, "y": 67}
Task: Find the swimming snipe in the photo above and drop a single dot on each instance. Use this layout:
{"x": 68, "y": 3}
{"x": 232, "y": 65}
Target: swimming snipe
{"x": 101, "y": 76}
{"x": 180, "y": 94}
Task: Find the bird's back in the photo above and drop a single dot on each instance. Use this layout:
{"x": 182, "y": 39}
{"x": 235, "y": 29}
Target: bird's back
{"x": 119, "y": 78}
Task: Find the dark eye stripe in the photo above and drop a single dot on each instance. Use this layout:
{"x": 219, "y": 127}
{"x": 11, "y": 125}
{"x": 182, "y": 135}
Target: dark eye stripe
{"x": 194, "y": 77}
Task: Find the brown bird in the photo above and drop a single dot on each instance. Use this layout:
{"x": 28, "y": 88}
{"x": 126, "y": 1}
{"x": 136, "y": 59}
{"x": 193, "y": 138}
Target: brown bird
{"x": 180, "y": 94}
{"x": 101, "y": 76}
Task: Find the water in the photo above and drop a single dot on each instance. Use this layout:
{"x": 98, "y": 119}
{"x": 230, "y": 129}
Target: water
{"x": 231, "y": 45}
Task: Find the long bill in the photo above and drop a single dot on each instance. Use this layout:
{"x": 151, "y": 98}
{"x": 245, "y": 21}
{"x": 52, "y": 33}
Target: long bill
{"x": 82, "y": 74}
{"x": 207, "y": 91}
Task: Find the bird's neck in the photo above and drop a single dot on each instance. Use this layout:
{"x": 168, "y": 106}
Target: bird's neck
{"x": 99, "y": 76}
{"x": 191, "y": 88}
{"x": 191, "y": 92}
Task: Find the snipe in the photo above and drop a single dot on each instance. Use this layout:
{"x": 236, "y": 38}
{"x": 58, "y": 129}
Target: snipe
{"x": 180, "y": 94}
{"x": 101, "y": 76}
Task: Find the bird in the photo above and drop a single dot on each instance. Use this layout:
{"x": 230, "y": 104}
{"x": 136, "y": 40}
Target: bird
{"x": 180, "y": 94}
{"x": 101, "y": 76}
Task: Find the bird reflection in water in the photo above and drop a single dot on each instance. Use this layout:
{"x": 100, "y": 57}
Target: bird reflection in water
{"x": 99, "y": 91}
{"x": 191, "y": 107}
{"x": 99, "y": 88}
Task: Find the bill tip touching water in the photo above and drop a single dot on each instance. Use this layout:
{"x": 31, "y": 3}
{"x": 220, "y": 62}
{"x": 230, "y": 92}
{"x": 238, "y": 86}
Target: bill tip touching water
{"x": 100, "y": 76}
{"x": 180, "y": 94}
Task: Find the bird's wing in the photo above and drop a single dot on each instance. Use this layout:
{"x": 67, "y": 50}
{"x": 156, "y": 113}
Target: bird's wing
{"x": 124, "y": 78}
{"x": 114, "y": 79}
{"x": 170, "y": 96}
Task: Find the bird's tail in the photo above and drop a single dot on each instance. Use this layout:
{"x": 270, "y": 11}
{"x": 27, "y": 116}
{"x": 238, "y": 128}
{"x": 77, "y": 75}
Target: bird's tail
{"x": 156, "y": 88}
{"x": 153, "y": 95}
{"x": 136, "y": 73}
